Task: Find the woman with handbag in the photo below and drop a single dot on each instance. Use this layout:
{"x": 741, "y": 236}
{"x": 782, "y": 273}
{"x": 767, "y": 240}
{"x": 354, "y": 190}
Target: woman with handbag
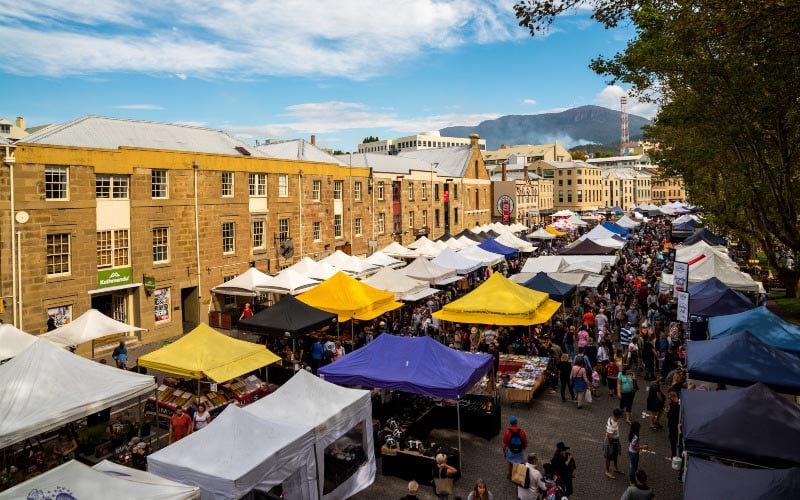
{"x": 443, "y": 477}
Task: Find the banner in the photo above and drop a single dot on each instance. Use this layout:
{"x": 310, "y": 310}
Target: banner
{"x": 680, "y": 274}
{"x": 683, "y": 306}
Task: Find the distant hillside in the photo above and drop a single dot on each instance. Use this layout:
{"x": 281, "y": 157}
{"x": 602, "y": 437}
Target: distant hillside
{"x": 586, "y": 124}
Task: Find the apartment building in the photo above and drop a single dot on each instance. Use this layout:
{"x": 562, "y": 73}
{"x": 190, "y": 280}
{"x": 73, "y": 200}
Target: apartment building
{"x": 532, "y": 194}
{"x": 425, "y": 140}
{"x": 577, "y": 185}
{"x": 531, "y": 153}
{"x": 666, "y": 189}
{"x": 635, "y": 162}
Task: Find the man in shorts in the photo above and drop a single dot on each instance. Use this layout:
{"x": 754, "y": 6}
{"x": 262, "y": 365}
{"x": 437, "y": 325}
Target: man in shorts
{"x": 611, "y": 446}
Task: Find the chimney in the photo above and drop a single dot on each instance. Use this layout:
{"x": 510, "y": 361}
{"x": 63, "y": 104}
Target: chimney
{"x": 473, "y": 141}
{"x": 525, "y": 173}
{"x": 504, "y": 177}
{"x": 504, "y": 146}
{"x": 21, "y": 122}
{"x": 313, "y": 140}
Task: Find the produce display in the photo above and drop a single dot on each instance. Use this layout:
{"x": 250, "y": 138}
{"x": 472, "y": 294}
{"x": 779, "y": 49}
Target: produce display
{"x": 529, "y": 375}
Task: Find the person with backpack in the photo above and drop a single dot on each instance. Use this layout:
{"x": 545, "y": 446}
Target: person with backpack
{"x": 626, "y": 390}
{"x": 515, "y": 442}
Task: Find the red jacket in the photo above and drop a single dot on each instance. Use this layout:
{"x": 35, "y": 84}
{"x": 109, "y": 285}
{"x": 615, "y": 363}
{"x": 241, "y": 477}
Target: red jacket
{"x": 507, "y": 436}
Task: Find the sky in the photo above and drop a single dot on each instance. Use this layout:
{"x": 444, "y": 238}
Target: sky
{"x": 285, "y": 69}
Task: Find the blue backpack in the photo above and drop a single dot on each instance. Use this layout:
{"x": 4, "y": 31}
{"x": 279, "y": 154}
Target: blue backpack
{"x": 515, "y": 444}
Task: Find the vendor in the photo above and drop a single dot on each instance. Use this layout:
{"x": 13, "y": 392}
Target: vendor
{"x": 65, "y": 447}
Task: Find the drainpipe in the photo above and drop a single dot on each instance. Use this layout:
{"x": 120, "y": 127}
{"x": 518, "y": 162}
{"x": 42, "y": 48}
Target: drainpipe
{"x": 19, "y": 279}
{"x": 300, "y": 181}
{"x": 8, "y": 159}
{"x": 195, "y": 167}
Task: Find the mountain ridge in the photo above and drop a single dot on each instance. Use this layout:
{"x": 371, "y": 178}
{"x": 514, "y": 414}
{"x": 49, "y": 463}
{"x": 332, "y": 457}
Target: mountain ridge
{"x": 582, "y": 125}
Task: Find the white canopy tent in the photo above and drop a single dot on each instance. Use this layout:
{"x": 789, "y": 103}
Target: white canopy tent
{"x": 574, "y": 219}
{"x": 429, "y": 250}
{"x": 711, "y": 264}
{"x": 321, "y": 271}
{"x": 451, "y": 259}
{"x": 541, "y": 234}
{"x": 88, "y": 326}
{"x": 304, "y": 266}
{"x": 288, "y": 281}
{"x": 583, "y": 266}
{"x": 333, "y": 412}
{"x": 626, "y": 222}
{"x": 395, "y": 249}
{"x": 13, "y": 341}
{"x": 243, "y": 285}
{"x": 421, "y": 241}
{"x": 336, "y": 259}
{"x": 610, "y": 242}
{"x": 357, "y": 267}
{"x": 45, "y": 387}
{"x": 545, "y": 263}
{"x": 512, "y": 241}
{"x": 423, "y": 269}
{"x": 585, "y": 280}
{"x": 104, "y": 480}
{"x": 402, "y": 286}
{"x": 485, "y": 257}
{"x": 467, "y": 242}
{"x": 598, "y": 233}
{"x": 380, "y": 259}
{"x": 558, "y": 263}
{"x": 239, "y": 452}
{"x": 563, "y": 213}
{"x": 457, "y": 244}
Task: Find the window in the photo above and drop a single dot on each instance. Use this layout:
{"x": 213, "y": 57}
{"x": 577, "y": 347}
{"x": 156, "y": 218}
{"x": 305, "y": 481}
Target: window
{"x": 283, "y": 229}
{"x": 111, "y": 186}
{"x": 317, "y": 231}
{"x": 283, "y": 185}
{"x": 381, "y": 223}
{"x": 112, "y": 248}
{"x": 258, "y": 184}
{"x": 569, "y": 196}
{"x": 56, "y": 183}
{"x": 228, "y": 299}
{"x": 338, "y": 186}
{"x": 316, "y": 190}
{"x": 381, "y": 187}
{"x": 357, "y": 226}
{"x": 569, "y": 182}
{"x": 397, "y": 224}
{"x": 228, "y": 237}
{"x": 257, "y": 228}
{"x": 158, "y": 184}
{"x": 423, "y": 192}
{"x": 560, "y": 196}
{"x": 411, "y": 220}
{"x": 424, "y": 218}
{"x": 580, "y": 196}
{"x": 455, "y": 216}
{"x": 579, "y": 181}
{"x": 436, "y": 217}
{"x": 160, "y": 245}
{"x": 337, "y": 225}
{"x": 357, "y": 191}
{"x": 57, "y": 254}
{"x": 410, "y": 191}
{"x": 162, "y": 305}
{"x": 455, "y": 191}
{"x": 579, "y": 171}
{"x": 436, "y": 192}
{"x": 227, "y": 186}
{"x": 561, "y": 182}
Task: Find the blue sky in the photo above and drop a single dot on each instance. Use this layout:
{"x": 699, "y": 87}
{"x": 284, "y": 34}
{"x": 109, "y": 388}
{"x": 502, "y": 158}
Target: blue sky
{"x": 340, "y": 69}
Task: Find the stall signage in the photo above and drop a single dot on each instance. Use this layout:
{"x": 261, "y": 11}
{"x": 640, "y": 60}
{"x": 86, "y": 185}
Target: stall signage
{"x": 505, "y": 205}
{"x": 149, "y": 282}
{"x": 680, "y": 274}
{"x": 683, "y": 306}
{"x": 114, "y": 277}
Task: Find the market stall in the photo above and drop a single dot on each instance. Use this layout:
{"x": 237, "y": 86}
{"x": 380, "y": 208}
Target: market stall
{"x": 343, "y": 433}
{"x": 243, "y": 285}
{"x": 706, "y": 479}
{"x": 78, "y": 481}
{"x": 525, "y": 376}
{"x": 349, "y": 298}
{"x": 13, "y": 341}
{"x": 88, "y": 327}
{"x": 206, "y": 353}
{"x": 240, "y": 452}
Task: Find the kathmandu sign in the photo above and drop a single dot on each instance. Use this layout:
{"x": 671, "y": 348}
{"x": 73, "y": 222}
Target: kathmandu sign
{"x": 114, "y": 277}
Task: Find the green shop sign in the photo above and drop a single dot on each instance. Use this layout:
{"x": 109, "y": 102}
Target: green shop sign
{"x": 114, "y": 277}
{"x": 149, "y": 282}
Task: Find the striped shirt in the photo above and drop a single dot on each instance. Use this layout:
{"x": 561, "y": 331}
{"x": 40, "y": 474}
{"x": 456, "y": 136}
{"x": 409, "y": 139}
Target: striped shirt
{"x": 625, "y": 336}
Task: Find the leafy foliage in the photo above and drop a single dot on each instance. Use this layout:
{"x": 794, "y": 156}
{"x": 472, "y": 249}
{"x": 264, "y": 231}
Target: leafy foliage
{"x": 370, "y": 138}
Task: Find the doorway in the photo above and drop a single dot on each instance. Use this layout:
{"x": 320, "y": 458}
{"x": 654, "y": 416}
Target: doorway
{"x": 114, "y": 305}
{"x": 190, "y": 308}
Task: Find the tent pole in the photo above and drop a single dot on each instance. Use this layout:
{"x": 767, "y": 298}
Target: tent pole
{"x": 158, "y": 424}
{"x": 460, "y": 451}
{"x": 139, "y": 415}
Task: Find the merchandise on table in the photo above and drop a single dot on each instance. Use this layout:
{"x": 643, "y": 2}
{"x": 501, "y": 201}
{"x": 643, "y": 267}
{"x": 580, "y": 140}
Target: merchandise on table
{"x": 174, "y": 392}
{"x": 529, "y": 376}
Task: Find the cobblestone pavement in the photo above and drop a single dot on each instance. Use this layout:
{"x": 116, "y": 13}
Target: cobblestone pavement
{"x": 547, "y": 421}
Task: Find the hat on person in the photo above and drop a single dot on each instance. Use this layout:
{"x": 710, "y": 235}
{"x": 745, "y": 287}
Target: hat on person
{"x": 382, "y": 323}
{"x": 141, "y": 446}
{"x": 561, "y": 446}
{"x": 512, "y": 420}
{"x": 474, "y": 329}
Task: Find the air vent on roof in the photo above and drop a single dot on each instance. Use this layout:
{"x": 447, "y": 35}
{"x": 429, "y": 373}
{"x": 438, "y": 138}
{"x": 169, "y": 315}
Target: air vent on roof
{"x": 242, "y": 150}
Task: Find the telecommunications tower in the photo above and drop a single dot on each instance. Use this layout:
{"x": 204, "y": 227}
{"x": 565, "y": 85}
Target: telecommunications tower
{"x": 623, "y": 122}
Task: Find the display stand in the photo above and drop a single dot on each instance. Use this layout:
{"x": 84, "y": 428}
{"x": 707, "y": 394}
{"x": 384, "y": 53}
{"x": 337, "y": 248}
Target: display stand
{"x": 241, "y": 391}
{"x": 525, "y": 376}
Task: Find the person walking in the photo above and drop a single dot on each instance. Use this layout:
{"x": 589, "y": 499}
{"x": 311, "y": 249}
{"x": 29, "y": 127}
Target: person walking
{"x": 514, "y": 443}
{"x": 673, "y": 421}
{"x": 612, "y": 371}
{"x": 120, "y": 355}
{"x": 564, "y": 466}
{"x": 413, "y": 488}
{"x": 564, "y": 371}
{"x": 201, "y": 417}
{"x": 579, "y": 380}
{"x": 639, "y": 490}
{"x": 535, "y": 480}
{"x": 480, "y": 491}
{"x": 443, "y": 476}
{"x": 611, "y": 447}
{"x": 655, "y": 403}
{"x": 634, "y": 447}
{"x": 626, "y": 390}
{"x": 180, "y": 425}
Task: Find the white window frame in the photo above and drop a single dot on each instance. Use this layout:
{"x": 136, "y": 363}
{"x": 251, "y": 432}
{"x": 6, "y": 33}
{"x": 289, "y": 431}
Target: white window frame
{"x": 411, "y": 220}
{"x": 283, "y": 185}
{"x": 59, "y": 261}
{"x": 337, "y": 226}
{"x": 357, "y": 191}
{"x": 381, "y": 223}
{"x": 56, "y": 183}
{"x": 117, "y": 248}
{"x": 424, "y": 218}
{"x": 317, "y": 231}
{"x": 257, "y": 184}
{"x": 357, "y": 226}
{"x": 316, "y": 190}
{"x": 381, "y": 190}
{"x": 338, "y": 189}
{"x": 159, "y": 184}
{"x": 115, "y": 187}
{"x": 160, "y": 244}
{"x": 227, "y": 185}
{"x": 257, "y": 232}
{"x": 410, "y": 191}
{"x": 423, "y": 191}
{"x": 228, "y": 238}
{"x": 283, "y": 230}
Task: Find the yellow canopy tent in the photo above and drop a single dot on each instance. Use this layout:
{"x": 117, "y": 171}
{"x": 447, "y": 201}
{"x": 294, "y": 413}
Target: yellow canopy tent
{"x": 204, "y": 352}
{"x": 349, "y": 298}
{"x": 552, "y": 230}
{"x": 499, "y": 301}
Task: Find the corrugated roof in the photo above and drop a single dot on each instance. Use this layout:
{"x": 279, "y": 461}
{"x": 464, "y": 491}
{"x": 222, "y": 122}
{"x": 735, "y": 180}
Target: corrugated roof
{"x": 112, "y": 133}
{"x": 389, "y": 164}
{"x": 568, "y": 164}
{"x": 453, "y": 162}
{"x": 514, "y": 175}
{"x": 3, "y": 140}
{"x": 521, "y": 149}
{"x": 297, "y": 149}
{"x": 637, "y": 158}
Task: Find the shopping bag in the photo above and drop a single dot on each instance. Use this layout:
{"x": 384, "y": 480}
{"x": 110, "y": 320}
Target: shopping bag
{"x": 588, "y": 396}
{"x": 519, "y": 475}
{"x": 443, "y": 485}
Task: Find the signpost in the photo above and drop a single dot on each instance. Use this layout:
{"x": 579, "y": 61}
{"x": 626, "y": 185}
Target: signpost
{"x": 680, "y": 275}
{"x": 683, "y": 306}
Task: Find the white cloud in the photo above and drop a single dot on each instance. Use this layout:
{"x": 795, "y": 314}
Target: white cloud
{"x": 529, "y": 101}
{"x": 139, "y": 106}
{"x": 354, "y": 39}
{"x": 609, "y": 98}
{"x": 336, "y": 116}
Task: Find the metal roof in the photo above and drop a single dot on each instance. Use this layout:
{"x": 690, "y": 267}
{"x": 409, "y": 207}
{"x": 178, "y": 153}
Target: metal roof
{"x": 453, "y": 162}
{"x": 569, "y": 164}
{"x": 388, "y": 164}
{"x": 113, "y": 133}
{"x": 297, "y": 149}
{"x": 514, "y": 175}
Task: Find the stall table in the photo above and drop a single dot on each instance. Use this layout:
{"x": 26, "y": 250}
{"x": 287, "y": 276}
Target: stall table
{"x": 529, "y": 377}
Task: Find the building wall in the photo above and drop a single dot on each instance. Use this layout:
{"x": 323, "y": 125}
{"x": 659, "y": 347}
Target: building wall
{"x": 668, "y": 189}
{"x": 414, "y": 143}
{"x": 577, "y": 188}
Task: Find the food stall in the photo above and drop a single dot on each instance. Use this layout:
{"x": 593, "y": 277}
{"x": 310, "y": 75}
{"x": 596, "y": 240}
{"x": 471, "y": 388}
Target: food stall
{"x": 523, "y": 376}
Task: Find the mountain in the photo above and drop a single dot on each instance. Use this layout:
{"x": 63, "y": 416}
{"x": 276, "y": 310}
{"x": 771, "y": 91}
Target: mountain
{"x": 582, "y": 125}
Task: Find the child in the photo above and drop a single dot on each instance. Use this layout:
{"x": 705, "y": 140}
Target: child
{"x": 596, "y": 379}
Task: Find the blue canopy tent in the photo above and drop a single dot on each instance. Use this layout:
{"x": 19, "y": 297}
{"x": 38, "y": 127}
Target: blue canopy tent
{"x": 419, "y": 365}
{"x": 705, "y": 480}
{"x": 712, "y": 297}
{"x": 498, "y": 248}
{"x": 558, "y": 290}
{"x": 707, "y": 236}
{"x": 721, "y": 424}
{"x": 742, "y": 359}
{"x": 616, "y": 229}
{"x": 762, "y": 323}
{"x": 684, "y": 227}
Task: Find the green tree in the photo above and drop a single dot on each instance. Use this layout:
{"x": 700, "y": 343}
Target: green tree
{"x": 579, "y": 155}
{"x": 370, "y": 139}
{"x": 726, "y": 77}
